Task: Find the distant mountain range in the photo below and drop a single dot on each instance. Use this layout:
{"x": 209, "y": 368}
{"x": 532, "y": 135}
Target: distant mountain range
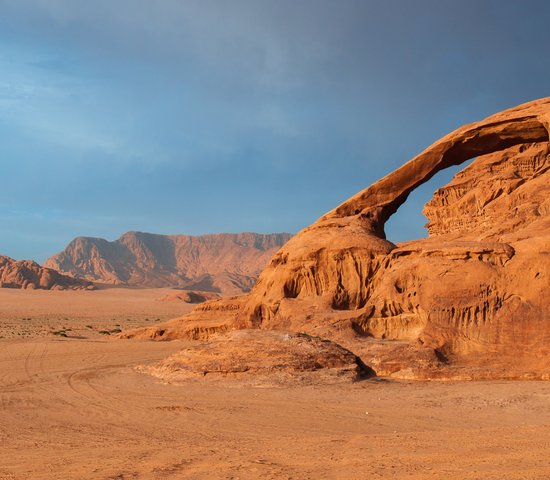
{"x": 224, "y": 263}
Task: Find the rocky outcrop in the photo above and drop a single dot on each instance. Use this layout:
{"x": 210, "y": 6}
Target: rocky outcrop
{"x": 223, "y": 263}
{"x": 469, "y": 301}
{"x": 29, "y": 275}
{"x": 512, "y": 181}
{"x": 189, "y": 296}
{"x": 206, "y": 320}
{"x": 265, "y": 356}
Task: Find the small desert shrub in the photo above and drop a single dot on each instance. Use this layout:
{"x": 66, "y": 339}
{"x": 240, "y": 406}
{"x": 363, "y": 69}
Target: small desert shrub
{"x": 311, "y": 337}
{"x": 108, "y": 332}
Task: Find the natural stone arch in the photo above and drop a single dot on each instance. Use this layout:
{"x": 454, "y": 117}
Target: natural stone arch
{"x": 336, "y": 257}
{"x": 462, "y": 299}
{"x": 527, "y": 123}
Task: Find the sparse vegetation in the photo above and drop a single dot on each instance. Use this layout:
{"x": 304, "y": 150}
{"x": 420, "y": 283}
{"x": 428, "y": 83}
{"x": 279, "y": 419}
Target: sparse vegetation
{"x": 109, "y": 332}
{"x": 312, "y": 337}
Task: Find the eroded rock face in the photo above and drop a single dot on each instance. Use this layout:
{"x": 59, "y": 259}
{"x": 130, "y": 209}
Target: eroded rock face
{"x": 206, "y": 320}
{"x": 272, "y": 356}
{"x": 497, "y": 194}
{"x": 473, "y": 295}
{"x": 29, "y": 275}
{"x": 222, "y": 263}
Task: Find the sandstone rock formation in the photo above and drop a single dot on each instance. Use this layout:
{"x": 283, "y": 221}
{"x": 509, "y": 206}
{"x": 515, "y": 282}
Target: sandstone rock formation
{"x": 223, "y": 263}
{"x": 271, "y": 356}
{"x": 29, "y": 275}
{"x": 469, "y": 301}
{"x": 189, "y": 296}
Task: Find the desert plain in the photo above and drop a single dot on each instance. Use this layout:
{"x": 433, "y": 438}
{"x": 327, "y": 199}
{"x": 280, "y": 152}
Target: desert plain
{"x": 78, "y": 406}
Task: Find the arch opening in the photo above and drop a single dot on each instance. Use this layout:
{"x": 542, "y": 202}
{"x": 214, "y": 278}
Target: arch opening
{"x": 409, "y": 222}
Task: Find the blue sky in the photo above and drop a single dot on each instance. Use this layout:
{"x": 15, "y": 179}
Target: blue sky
{"x": 214, "y": 116}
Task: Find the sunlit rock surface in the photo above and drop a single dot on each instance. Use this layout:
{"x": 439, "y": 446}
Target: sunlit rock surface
{"x": 27, "y": 274}
{"x": 223, "y": 263}
{"x": 469, "y": 301}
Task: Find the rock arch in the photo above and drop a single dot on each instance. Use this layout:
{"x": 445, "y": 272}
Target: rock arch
{"x": 336, "y": 260}
{"x": 528, "y": 123}
{"x": 459, "y": 297}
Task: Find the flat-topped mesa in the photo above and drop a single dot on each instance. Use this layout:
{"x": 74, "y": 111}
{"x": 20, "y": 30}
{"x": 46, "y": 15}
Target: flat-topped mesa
{"x": 473, "y": 293}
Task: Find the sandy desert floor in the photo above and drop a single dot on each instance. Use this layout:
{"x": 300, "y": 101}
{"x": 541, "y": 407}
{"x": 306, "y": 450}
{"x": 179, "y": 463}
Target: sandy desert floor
{"x": 76, "y": 408}
{"x": 83, "y": 314}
